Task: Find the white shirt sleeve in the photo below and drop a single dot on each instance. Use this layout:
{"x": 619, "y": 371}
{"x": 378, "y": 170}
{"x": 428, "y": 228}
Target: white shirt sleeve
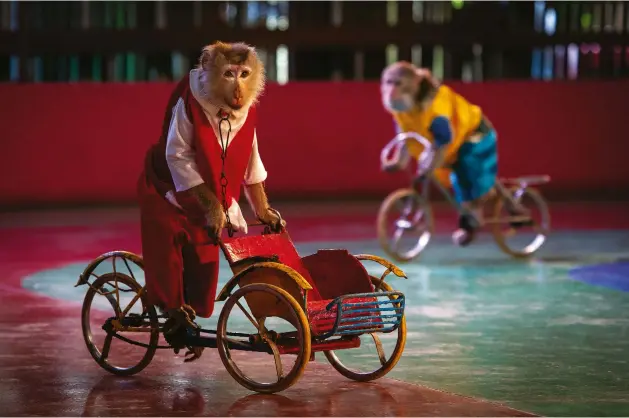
{"x": 256, "y": 173}
{"x": 180, "y": 155}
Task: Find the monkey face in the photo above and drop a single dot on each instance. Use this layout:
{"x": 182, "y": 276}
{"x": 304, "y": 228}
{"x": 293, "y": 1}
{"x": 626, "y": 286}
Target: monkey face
{"x": 235, "y": 75}
{"x": 398, "y": 87}
{"x": 236, "y": 90}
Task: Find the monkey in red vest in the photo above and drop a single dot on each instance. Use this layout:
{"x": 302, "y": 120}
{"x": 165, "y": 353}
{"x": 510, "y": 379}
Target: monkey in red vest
{"x": 211, "y": 114}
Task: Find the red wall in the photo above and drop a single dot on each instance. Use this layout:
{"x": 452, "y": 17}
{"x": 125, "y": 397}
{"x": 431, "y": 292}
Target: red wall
{"x": 86, "y": 142}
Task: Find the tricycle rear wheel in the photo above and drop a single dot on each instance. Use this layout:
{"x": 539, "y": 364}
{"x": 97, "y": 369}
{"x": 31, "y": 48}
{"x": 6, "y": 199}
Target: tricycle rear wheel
{"x": 386, "y": 365}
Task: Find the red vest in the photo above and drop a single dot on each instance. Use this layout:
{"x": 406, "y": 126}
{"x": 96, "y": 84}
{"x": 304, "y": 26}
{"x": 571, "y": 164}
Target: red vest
{"x": 207, "y": 147}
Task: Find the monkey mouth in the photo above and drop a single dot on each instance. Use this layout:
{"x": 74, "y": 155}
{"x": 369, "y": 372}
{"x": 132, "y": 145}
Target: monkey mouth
{"x": 236, "y": 103}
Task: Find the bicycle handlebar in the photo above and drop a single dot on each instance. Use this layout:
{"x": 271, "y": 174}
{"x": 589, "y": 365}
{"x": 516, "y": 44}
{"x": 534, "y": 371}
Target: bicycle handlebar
{"x": 398, "y": 143}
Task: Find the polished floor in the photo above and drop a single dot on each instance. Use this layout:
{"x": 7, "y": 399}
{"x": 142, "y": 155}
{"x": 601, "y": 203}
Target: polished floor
{"x": 548, "y": 336}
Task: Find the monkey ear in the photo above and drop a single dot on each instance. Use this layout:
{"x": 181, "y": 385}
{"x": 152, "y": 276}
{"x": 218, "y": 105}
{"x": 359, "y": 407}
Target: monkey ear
{"x": 427, "y": 88}
{"x": 253, "y": 52}
{"x": 426, "y": 76}
{"x": 423, "y": 73}
{"x": 208, "y": 55}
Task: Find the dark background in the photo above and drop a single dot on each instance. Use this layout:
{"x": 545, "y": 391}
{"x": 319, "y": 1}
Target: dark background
{"x": 351, "y": 40}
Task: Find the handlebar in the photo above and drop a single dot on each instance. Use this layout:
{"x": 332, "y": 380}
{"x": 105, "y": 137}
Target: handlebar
{"x": 398, "y": 143}
{"x": 249, "y": 224}
{"x": 423, "y": 162}
{"x": 268, "y": 228}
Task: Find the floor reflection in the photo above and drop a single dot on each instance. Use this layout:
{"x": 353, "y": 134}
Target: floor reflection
{"x": 143, "y": 396}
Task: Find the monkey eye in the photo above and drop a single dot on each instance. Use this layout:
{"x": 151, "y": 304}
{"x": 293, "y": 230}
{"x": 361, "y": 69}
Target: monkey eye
{"x": 244, "y": 74}
{"x": 228, "y": 74}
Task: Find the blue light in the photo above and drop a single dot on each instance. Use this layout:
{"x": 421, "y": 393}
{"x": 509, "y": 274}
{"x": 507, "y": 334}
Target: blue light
{"x": 550, "y": 21}
{"x": 536, "y": 64}
{"x": 538, "y": 19}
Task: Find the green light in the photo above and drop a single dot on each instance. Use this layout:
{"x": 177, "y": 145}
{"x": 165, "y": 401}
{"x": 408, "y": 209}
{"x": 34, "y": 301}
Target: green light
{"x": 586, "y": 20}
{"x": 457, "y": 4}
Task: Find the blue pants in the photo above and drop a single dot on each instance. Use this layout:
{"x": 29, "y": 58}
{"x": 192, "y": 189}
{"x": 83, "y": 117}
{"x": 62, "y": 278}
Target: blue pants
{"x": 474, "y": 173}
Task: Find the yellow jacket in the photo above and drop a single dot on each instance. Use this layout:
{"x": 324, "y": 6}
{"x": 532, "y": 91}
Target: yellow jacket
{"x": 464, "y": 118}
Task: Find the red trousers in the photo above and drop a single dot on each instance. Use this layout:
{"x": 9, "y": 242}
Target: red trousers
{"x": 180, "y": 266}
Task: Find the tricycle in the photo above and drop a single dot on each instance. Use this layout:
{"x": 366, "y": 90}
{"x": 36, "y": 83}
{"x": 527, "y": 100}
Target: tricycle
{"x": 328, "y": 300}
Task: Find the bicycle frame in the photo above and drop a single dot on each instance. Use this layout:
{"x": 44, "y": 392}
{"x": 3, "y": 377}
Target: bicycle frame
{"x": 395, "y": 145}
{"x": 401, "y": 139}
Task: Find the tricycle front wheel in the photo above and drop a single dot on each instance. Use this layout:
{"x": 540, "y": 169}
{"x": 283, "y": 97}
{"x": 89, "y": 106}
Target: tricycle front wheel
{"x": 294, "y": 343}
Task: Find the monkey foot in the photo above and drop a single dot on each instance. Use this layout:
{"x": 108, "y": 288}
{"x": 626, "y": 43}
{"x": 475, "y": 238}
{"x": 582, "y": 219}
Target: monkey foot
{"x": 179, "y": 321}
{"x": 183, "y": 316}
{"x": 193, "y": 353}
{"x": 463, "y": 237}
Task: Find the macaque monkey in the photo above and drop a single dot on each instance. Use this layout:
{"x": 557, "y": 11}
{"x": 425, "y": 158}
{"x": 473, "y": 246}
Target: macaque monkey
{"x": 464, "y": 139}
{"x": 209, "y": 129}
{"x": 233, "y": 78}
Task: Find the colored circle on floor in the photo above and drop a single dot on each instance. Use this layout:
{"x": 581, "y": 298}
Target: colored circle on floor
{"x": 609, "y": 275}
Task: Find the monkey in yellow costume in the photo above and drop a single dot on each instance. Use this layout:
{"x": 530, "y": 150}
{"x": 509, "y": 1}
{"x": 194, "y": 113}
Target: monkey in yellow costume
{"x": 465, "y": 142}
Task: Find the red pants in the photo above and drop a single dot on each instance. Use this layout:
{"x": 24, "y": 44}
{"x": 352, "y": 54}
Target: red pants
{"x": 179, "y": 264}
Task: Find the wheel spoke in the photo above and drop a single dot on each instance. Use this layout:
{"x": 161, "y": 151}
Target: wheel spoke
{"x": 106, "y": 346}
{"x": 264, "y": 333}
{"x": 397, "y": 235}
{"x": 419, "y": 215}
{"x": 249, "y": 317}
{"x": 129, "y": 269}
{"x": 111, "y": 299}
{"x": 278, "y": 359}
{"x": 137, "y": 296}
{"x": 399, "y": 205}
{"x": 113, "y": 263}
{"x": 379, "y": 349}
{"x": 408, "y": 208}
